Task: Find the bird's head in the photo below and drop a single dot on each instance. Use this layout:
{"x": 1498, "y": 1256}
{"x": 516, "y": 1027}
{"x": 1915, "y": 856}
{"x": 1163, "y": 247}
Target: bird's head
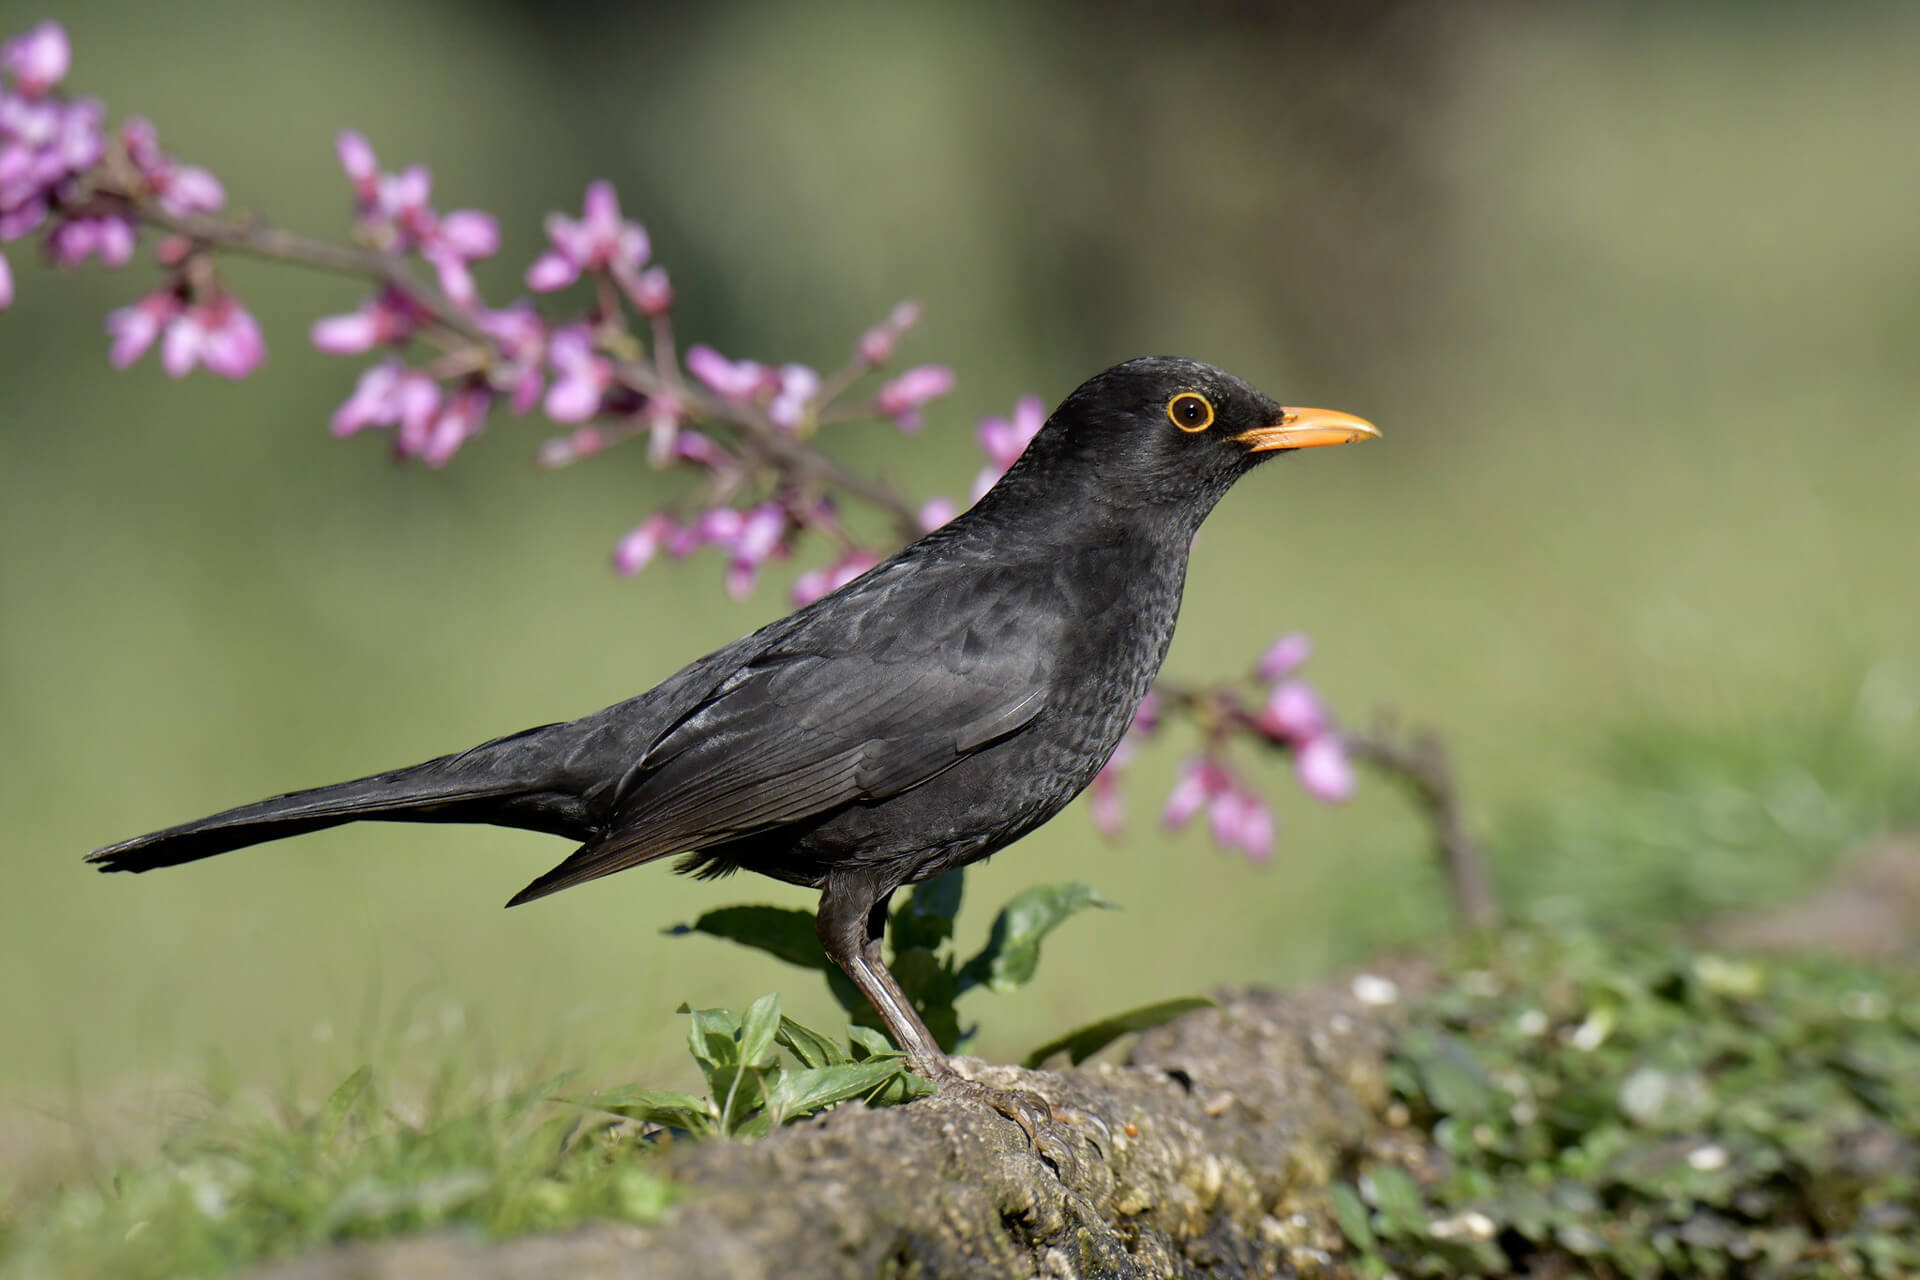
{"x": 1162, "y": 431}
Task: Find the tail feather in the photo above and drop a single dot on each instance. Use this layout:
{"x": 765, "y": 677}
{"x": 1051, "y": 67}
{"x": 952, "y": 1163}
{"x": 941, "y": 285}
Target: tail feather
{"x": 510, "y": 782}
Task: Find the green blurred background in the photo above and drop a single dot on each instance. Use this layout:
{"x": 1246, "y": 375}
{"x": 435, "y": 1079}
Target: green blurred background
{"x": 1634, "y": 292}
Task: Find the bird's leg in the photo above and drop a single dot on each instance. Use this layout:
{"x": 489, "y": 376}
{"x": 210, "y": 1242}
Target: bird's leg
{"x": 850, "y": 924}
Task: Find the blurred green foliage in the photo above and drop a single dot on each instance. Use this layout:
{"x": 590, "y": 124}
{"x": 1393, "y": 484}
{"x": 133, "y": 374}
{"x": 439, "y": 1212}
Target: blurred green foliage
{"x": 1633, "y": 293}
{"x": 242, "y": 1184}
{"x": 1646, "y": 1111}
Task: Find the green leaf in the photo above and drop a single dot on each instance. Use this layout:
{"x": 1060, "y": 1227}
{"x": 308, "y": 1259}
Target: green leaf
{"x": 868, "y": 1043}
{"x": 800, "y": 1093}
{"x": 339, "y": 1103}
{"x": 712, "y": 1039}
{"x": 925, "y": 919}
{"x": 652, "y": 1106}
{"x": 1083, "y": 1042}
{"x": 808, "y": 1045}
{"x": 1397, "y": 1195}
{"x": 1013, "y": 949}
{"x": 783, "y": 932}
{"x": 738, "y": 1092}
{"x": 757, "y": 1030}
{"x": 1352, "y": 1215}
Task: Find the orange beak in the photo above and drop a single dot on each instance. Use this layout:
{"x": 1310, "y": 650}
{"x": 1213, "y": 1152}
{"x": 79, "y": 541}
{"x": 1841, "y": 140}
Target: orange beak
{"x": 1308, "y": 429}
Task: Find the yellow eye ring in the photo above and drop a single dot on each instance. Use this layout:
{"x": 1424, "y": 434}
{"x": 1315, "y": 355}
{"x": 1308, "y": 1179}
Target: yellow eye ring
{"x": 1191, "y": 412}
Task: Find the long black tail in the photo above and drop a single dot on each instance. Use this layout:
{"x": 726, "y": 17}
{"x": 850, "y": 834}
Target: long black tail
{"x": 518, "y": 781}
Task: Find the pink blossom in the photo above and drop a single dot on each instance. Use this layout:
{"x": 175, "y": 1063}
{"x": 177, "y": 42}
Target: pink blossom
{"x": 759, "y": 537}
{"x": 735, "y": 380}
{"x": 935, "y": 512}
{"x": 371, "y": 403}
{"x": 361, "y": 164}
{"x": 1323, "y": 769}
{"x": 390, "y": 394}
{"x": 1146, "y": 717}
{"x": 876, "y": 345}
{"x": 387, "y": 317}
{"x": 181, "y": 190}
{"x": 461, "y": 419}
{"x": 581, "y": 376}
{"x": 1239, "y": 819}
{"x": 904, "y": 397}
{"x": 397, "y": 208}
{"x": 815, "y": 583}
{"x": 135, "y": 328}
{"x": 581, "y": 442}
{"x": 77, "y": 239}
{"x": 650, "y": 291}
{"x": 1197, "y": 783}
{"x": 220, "y": 335}
{"x": 642, "y": 543}
{"x": 599, "y": 241}
{"x": 1283, "y": 655}
{"x": 1005, "y": 439}
{"x": 38, "y": 60}
{"x": 6, "y": 284}
{"x": 793, "y": 398}
{"x": 415, "y": 409}
{"x": 1106, "y": 800}
{"x": 1293, "y": 713}
{"x": 521, "y": 337}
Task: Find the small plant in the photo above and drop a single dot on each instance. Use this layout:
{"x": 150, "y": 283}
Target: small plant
{"x": 751, "y": 1091}
{"x": 923, "y": 957}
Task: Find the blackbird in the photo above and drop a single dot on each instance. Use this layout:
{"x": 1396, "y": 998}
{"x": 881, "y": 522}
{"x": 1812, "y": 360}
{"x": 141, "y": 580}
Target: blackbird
{"x": 928, "y": 713}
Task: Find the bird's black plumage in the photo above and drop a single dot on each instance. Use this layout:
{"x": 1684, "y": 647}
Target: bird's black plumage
{"x": 923, "y": 716}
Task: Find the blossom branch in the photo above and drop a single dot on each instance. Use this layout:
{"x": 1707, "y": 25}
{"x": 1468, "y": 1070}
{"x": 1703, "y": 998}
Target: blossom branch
{"x": 611, "y": 372}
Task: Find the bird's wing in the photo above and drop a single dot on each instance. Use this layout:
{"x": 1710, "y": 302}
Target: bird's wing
{"x": 855, "y": 703}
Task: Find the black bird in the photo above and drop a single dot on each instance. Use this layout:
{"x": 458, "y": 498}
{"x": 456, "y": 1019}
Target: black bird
{"x": 928, "y": 713}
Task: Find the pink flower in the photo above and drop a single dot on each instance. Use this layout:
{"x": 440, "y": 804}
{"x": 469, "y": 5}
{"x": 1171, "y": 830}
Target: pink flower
{"x": 1146, "y": 717}
{"x": 581, "y": 376}
{"x": 387, "y": 317}
{"x": 6, "y": 284}
{"x": 758, "y": 539}
{"x": 1239, "y": 819}
{"x": 735, "y": 380}
{"x": 642, "y": 543}
{"x": 904, "y": 397}
{"x": 1323, "y": 769}
{"x": 38, "y": 60}
{"x": 1194, "y": 787}
{"x": 220, "y": 335}
{"x": 935, "y": 512}
{"x": 1105, "y": 799}
{"x": 361, "y": 164}
{"x": 135, "y": 328}
{"x": 600, "y": 241}
{"x": 390, "y": 394}
{"x": 815, "y": 583}
{"x": 1293, "y": 713}
{"x": 651, "y": 291}
{"x": 1283, "y": 655}
{"x": 1005, "y": 439}
{"x": 182, "y": 190}
{"x": 876, "y": 345}
{"x": 793, "y": 398}
{"x": 396, "y": 208}
{"x": 521, "y": 337}
{"x": 460, "y": 420}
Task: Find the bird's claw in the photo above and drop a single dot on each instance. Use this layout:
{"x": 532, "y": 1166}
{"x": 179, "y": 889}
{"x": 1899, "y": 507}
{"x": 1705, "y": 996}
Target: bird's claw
{"x": 1055, "y": 1137}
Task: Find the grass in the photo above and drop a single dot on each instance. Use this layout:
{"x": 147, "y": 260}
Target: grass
{"x": 249, "y": 1182}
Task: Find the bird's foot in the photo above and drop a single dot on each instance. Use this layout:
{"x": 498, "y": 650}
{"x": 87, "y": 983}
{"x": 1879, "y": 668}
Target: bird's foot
{"x": 1061, "y": 1136}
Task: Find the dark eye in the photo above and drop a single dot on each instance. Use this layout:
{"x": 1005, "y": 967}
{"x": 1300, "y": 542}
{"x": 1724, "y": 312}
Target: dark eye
{"x": 1190, "y": 411}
